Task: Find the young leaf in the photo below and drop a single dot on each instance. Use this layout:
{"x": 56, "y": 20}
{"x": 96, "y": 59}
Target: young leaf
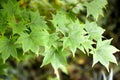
{"x": 59, "y": 62}
{"x": 75, "y": 33}
{"x": 86, "y": 45}
{"x": 48, "y": 55}
{"x": 94, "y": 31}
{"x": 37, "y": 22}
{"x": 57, "y": 59}
{"x": 33, "y": 40}
{"x": 53, "y": 53}
{"x": 17, "y": 27}
{"x": 7, "y": 48}
{"x": 53, "y": 40}
{"x": 95, "y": 7}
{"x": 104, "y": 53}
{"x": 60, "y": 20}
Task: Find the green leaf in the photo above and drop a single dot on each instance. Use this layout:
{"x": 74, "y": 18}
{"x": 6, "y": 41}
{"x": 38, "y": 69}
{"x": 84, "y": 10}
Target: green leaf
{"x": 53, "y": 40}
{"x": 37, "y": 22}
{"x": 7, "y": 48}
{"x": 60, "y": 21}
{"x": 48, "y": 55}
{"x": 77, "y": 8}
{"x": 33, "y": 40}
{"x": 11, "y": 8}
{"x": 104, "y": 53}
{"x": 94, "y": 31}
{"x": 86, "y": 45}
{"x": 56, "y": 58}
{"x": 75, "y": 33}
{"x": 17, "y": 27}
{"x": 59, "y": 61}
{"x": 95, "y": 7}
{"x": 3, "y": 22}
{"x": 25, "y": 14}
{"x": 53, "y": 53}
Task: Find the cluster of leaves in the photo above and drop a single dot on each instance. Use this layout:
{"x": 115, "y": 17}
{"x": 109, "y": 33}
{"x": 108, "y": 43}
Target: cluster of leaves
{"x": 56, "y": 38}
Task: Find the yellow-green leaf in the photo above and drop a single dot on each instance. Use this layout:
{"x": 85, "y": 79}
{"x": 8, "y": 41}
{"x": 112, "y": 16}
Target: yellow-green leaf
{"x": 104, "y": 53}
{"x": 95, "y": 7}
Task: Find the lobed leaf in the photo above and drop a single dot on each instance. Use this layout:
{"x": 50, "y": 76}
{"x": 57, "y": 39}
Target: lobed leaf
{"x": 94, "y": 31}
{"x": 95, "y": 7}
{"x": 7, "y": 48}
{"x": 33, "y": 40}
{"x": 104, "y": 53}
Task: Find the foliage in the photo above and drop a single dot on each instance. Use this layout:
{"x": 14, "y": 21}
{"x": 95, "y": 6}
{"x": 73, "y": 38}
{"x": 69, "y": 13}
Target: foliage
{"x": 54, "y": 37}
